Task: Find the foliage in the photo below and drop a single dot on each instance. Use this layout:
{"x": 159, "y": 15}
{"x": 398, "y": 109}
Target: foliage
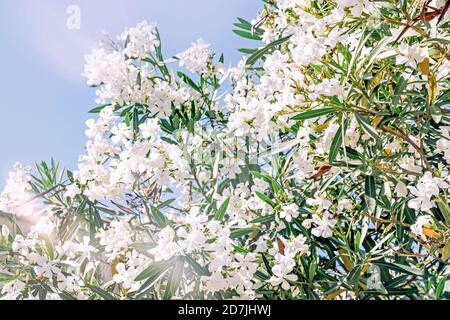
{"x": 323, "y": 174}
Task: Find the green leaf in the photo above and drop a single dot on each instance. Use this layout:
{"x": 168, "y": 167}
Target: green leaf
{"x": 222, "y": 210}
{"x": 67, "y": 296}
{"x": 353, "y": 276}
{"x": 151, "y": 281}
{"x": 264, "y": 219}
{"x": 399, "y": 88}
{"x": 248, "y": 35}
{"x": 312, "y": 270}
{"x": 337, "y": 142}
{"x": 266, "y": 199}
{"x": 153, "y": 270}
{"x": 260, "y": 53}
{"x": 400, "y": 268}
{"x": 101, "y": 293}
{"x": 313, "y": 114}
{"x": 99, "y": 108}
{"x": 267, "y": 264}
{"x": 247, "y": 50}
{"x": 159, "y": 217}
{"x": 237, "y": 233}
{"x": 261, "y": 276}
{"x": 367, "y": 127}
{"x": 49, "y": 247}
{"x": 358, "y": 240}
{"x": 199, "y": 269}
{"x": 370, "y": 193}
{"x": 189, "y": 81}
{"x": 263, "y": 176}
{"x": 446, "y": 251}
{"x": 367, "y": 63}
{"x": 174, "y": 279}
{"x": 444, "y": 209}
{"x": 440, "y": 287}
{"x": 244, "y": 24}
{"x": 166, "y": 204}
{"x": 440, "y": 40}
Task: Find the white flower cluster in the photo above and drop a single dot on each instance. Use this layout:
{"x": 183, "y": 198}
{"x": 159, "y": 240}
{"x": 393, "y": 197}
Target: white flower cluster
{"x": 17, "y": 197}
{"x": 301, "y": 163}
{"x": 197, "y": 57}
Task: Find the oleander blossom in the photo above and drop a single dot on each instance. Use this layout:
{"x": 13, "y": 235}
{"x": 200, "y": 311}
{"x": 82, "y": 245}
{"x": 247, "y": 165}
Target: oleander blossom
{"x": 315, "y": 168}
{"x": 197, "y": 57}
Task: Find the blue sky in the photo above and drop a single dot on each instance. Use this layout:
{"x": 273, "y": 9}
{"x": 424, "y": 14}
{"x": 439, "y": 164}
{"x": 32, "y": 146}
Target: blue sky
{"x": 44, "y": 100}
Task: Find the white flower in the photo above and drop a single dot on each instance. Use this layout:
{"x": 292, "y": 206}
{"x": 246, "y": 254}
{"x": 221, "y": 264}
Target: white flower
{"x": 443, "y": 144}
{"x": 330, "y": 88}
{"x": 17, "y": 195}
{"x": 417, "y": 228}
{"x": 401, "y": 190}
{"x": 141, "y": 40}
{"x": 72, "y": 191}
{"x": 299, "y": 245}
{"x": 116, "y": 238}
{"x": 319, "y": 201}
{"x": 126, "y": 277}
{"x": 282, "y": 276}
{"x": 85, "y": 249}
{"x": 426, "y": 189}
{"x": 411, "y": 55}
{"x": 323, "y": 225}
{"x": 191, "y": 240}
{"x": 167, "y": 247}
{"x": 216, "y": 282}
{"x": 307, "y": 223}
{"x": 197, "y": 57}
{"x": 12, "y": 290}
{"x": 289, "y": 212}
{"x": 46, "y": 268}
{"x": 121, "y": 133}
{"x": 5, "y": 232}
{"x": 150, "y": 129}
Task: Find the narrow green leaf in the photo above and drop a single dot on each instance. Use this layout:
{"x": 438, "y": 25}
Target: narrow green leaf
{"x": 264, "y": 219}
{"x": 98, "y": 109}
{"x": 166, "y": 204}
{"x": 101, "y": 293}
{"x": 337, "y": 142}
{"x": 174, "y": 279}
{"x": 189, "y": 81}
{"x": 247, "y": 35}
{"x": 153, "y": 269}
{"x": 313, "y": 114}
{"x": 159, "y": 217}
{"x": 353, "y": 276}
{"x": 444, "y": 209}
{"x": 400, "y": 268}
{"x": 237, "y": 233}
{"x": 440, "y": 287}
{"x": 266, "y": 199}
{"x": 370, "y": 193}
{"x": 200, "y": 270}
{"x": 367, "y": 127}
{"x": 260, "y": 53}
{"x": 222, "y": 210}
{"x": 67, "y": 296}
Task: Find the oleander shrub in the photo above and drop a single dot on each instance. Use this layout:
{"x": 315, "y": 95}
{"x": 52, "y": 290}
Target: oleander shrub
{"x": 317, "y": 168}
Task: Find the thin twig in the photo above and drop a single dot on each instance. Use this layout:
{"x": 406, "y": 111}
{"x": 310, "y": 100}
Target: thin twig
{"x": 396, "y": 132}
{"x": 386, "y": 221}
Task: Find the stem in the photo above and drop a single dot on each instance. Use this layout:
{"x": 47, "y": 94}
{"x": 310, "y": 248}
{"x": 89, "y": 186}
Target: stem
{"x": 386, "y": 221}
{"x": 396, "y": 132}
